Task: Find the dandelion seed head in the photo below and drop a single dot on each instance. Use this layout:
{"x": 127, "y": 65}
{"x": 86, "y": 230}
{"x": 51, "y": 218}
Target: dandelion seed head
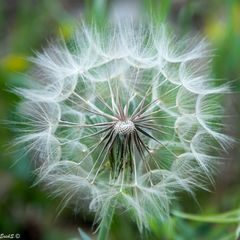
{"x": 125, "y": 117}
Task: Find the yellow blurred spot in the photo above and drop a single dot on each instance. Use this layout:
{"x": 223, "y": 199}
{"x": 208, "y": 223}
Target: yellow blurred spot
{"x": 66, "y": 30}
{"x": 14, "y": 63}
{"x": 215, "y": 29}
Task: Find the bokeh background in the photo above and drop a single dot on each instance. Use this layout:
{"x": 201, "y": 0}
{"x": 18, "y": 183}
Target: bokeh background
{"x": 26, "y": 26}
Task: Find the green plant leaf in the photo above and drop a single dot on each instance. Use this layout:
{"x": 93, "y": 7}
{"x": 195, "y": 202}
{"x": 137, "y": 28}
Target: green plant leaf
{"x": 224, "y": 218}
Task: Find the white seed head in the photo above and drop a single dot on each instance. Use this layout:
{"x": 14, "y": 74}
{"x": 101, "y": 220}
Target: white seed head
{"x": 125, "y": 117}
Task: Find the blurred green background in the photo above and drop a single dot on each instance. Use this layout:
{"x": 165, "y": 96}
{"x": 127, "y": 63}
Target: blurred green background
{"x": 26, "y": 26}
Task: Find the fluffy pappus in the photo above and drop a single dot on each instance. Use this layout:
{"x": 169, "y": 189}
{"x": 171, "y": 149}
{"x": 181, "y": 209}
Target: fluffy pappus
{"x": 124, "y": 117}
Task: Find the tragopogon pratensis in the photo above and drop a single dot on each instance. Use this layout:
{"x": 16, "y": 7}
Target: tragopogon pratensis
{"x": 123, "y": 118}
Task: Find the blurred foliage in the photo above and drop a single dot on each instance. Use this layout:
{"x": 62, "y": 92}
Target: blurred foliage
{"x": 25, "y": 26}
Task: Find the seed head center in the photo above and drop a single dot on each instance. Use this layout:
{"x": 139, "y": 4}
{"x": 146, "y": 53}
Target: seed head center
{"x": 124, "y": 127}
